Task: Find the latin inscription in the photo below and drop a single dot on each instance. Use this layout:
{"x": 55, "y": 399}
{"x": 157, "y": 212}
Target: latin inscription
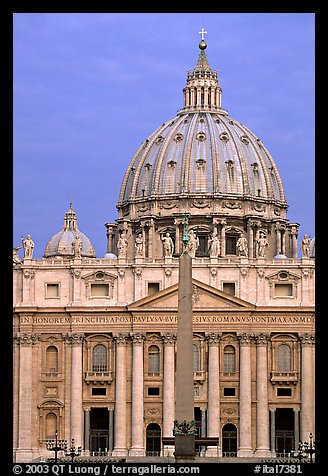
{"x": 165, "y": 319}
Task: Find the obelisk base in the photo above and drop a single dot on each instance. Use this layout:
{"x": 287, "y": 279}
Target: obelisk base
{"x": 184, "y": 448}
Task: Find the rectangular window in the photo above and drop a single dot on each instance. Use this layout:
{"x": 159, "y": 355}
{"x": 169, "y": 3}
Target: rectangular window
{"x": 153, "y": 391}
{"x": 97, "y": 391}
{"x": 283, "y": 290}
{"x": 99, "y": 290}
{"x": 153, "y": 288}
{"x": 231, "y": 245}
{"x": 229, "y": 391}
{"x": 284, "y": 392}
{"x": 229, "y": 288}
{"x": 52, "y": 290}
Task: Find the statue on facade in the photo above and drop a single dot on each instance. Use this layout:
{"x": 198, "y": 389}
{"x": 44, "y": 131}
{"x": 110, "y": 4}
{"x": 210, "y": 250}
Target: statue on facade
{"x": 16, "y": 258}
{"x": 242, "y": 246}
{"x": 214, "y": 245}
{"x": 168, "y": 245}
{"x": 77, "y": 247}
{"x": 28, "y": 246}
{"x": 122, "y": 246}
{"x": 262, "y": 243}
{"x": 193, "y": 243}
{"x": 139, "y": 245}
{"x": 305, "y": 246}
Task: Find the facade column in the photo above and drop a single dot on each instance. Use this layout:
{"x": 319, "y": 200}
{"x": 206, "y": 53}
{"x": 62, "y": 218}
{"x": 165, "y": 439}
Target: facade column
{"x": 296, "y": 428}
{"x": 245, "y": 397}
{"x": 120, "y": 442}
{"x": 213, "y": 408}
{"x": 168, "y": 390}
{"x": 87, "y": 431}
{"x": 137, "y": 420}
{"x": 110, "y": 430}
{"x": 307, "y": 391}
{"x": 24, "y": 451}
{"x": 273, "y": 430}
{"x": 76, "y": 343}
{"x": 262, "y": 415}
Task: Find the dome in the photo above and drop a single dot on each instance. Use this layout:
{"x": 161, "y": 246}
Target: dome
{"x": 69, "y": 241}
{"x": 202, "y": 151}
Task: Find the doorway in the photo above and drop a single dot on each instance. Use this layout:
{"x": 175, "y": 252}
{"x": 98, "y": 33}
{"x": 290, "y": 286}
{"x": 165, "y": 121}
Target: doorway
{"x": 99, "y": 431}
{"x": 229, "y": 440}
{"x": 153, "y": 440}
{"x": 284, "y": 434}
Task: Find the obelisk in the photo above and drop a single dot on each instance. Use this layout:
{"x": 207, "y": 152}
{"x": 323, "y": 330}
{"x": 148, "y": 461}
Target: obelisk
{"x": 184, "y": 425}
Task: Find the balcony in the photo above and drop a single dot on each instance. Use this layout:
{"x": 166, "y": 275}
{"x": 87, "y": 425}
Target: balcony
{"x": 199, "y": 376}
{"x": 284, "y": 378}
{"x": 98, "y": 377}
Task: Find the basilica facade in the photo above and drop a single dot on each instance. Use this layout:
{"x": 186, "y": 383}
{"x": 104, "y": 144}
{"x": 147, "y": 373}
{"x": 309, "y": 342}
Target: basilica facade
{"x": 95, "y": 337}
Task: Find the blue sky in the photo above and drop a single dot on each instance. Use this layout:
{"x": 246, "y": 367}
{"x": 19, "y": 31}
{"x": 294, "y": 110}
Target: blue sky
{"x": 90, "y": 87}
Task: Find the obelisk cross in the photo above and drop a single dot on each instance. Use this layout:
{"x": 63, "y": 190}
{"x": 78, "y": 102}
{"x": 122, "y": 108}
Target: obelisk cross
{"x": 203, "y": 33}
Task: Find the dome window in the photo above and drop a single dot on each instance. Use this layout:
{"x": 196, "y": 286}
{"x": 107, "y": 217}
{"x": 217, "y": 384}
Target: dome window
{"x": 171, "y": 164}
{"x": 178, "y": 137}
{"x": 200, "y": 163}
{"x": 224, "y": 136}
{"x": 148, "y": 166}
{"x": 159, "y": 139}
{"x": 201, "y": 136}
{"x": 255, "y": 167}
{"x": 244, "y": 139}
{"x": 230, "y": 163}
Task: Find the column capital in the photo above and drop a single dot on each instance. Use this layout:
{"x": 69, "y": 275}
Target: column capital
{"x": 137, "y": 338}
{"x": 169, "y": 338}
{"x": 121, "y": 338}
{"x": 74, "y": 339}
{"x": 26, "y": 340}
{"x": 262, "y": 339}
{"x": 213, "y": 338}
{"x": 307, "y": 339}
{"x": 245, "y": 339}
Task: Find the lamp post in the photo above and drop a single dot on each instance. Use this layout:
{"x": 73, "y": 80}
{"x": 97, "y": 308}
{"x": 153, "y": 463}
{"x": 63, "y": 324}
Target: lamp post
{"x": 73, "y": 450}
{"x": 56, "y": 445}
{"x": 305, "y": 448}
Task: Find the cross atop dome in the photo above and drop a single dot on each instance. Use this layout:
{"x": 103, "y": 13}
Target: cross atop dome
{"x": 203, "y": 33}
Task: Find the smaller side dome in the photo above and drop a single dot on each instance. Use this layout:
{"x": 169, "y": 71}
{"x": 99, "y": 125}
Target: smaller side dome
{"x": 69, "y": 241}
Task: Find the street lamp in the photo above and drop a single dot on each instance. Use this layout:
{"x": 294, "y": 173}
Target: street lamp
{"x": 73, "y": 450}
{"x": 305, "y": 448}
{"x": 56, "y": 445}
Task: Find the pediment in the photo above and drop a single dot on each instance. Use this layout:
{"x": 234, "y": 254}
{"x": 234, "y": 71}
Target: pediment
{"x": 99, "y": 276}
{"x": 204, "y": 297}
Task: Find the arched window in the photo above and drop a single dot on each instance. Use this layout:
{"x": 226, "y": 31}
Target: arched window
{"x": 153, "y": 360}
{"x": 196, "y": 357}
{"x": 52, "y": 359}
{"x": 51, "y": 425}
{"x": 284, "y": 358}
{"x": 99, "y": 358}
{"x": 229, "y": 359}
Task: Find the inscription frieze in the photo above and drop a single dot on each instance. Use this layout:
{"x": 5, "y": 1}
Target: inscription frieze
{"x": 167, "y": 319}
